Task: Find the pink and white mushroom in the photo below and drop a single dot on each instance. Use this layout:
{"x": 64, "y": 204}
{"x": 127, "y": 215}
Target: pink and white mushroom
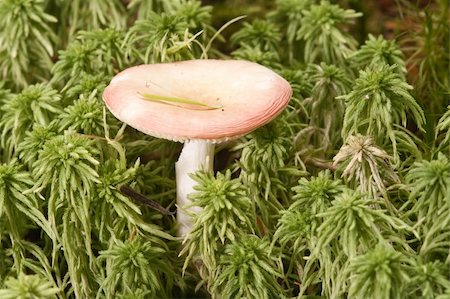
{"x": 199, "y": 103}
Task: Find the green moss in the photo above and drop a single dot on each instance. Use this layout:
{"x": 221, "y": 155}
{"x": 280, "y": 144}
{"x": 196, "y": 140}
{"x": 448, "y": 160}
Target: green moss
{"x": 345, "y": 194}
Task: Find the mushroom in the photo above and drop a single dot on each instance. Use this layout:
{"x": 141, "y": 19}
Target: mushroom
{"x": 199, "y": 103}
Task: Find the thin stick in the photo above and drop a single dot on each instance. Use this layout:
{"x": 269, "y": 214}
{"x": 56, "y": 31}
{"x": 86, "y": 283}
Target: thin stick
{"x": 125, "y": 190}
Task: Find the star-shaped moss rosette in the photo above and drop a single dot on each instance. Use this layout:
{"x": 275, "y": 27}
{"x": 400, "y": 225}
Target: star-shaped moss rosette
{"x": 199, "y": 103}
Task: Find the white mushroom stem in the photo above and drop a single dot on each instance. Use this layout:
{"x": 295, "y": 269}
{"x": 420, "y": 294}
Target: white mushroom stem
{"x": 196, "y": 155}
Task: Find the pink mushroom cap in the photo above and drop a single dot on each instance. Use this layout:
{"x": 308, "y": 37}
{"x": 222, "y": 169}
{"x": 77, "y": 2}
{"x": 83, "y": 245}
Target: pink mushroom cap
{"x": 248, "y": 94}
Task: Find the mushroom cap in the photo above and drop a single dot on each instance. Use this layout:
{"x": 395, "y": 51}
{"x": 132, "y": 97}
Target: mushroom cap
{"x": 249, "y": 96}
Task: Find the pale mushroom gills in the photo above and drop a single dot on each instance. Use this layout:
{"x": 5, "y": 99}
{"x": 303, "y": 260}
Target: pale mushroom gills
{"x": 200, "y": 103}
